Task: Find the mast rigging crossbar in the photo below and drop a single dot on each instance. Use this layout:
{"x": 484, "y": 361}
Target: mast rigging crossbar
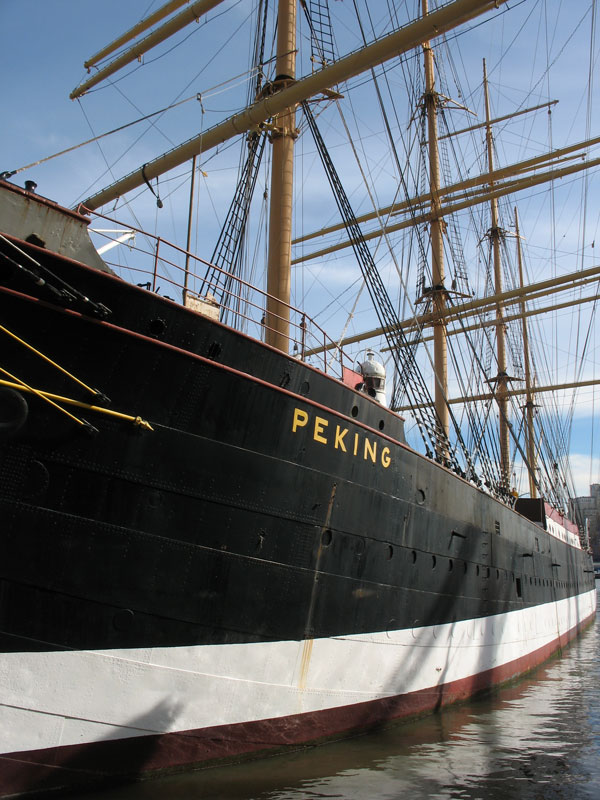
{"x": 391, "y": 46}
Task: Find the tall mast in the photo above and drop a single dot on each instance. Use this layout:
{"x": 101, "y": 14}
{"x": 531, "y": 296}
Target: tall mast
{"x": 282, "y": 186}
{"x": 394, "y": 44}
{"x": 502, "y": 376}
{"x": 438, "y": 290}
{"x": 529, "y": 398}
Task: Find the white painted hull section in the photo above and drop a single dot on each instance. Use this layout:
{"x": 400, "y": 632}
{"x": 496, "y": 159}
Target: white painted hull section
{"x": 65, "y": 698}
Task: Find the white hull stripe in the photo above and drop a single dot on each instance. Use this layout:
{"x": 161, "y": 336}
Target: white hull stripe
{"x": 55, "y": 699}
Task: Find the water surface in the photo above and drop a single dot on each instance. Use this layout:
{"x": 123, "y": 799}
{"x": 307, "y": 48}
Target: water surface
{"x": 538, "y": 739}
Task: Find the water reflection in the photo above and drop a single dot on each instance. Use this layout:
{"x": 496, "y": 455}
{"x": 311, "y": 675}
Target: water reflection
{"x": 536, "y": 740}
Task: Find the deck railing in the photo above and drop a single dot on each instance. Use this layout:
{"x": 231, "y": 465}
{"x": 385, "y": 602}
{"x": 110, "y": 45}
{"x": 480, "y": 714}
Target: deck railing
{"x": 162, "y": 267}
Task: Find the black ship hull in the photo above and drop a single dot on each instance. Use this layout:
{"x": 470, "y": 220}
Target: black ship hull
{"x": 269, "y": 565}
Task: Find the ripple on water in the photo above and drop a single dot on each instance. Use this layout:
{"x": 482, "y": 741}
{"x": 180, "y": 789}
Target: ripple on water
{"x": 538, "y": 739}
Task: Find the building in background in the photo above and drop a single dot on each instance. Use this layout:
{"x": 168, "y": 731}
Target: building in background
{"x": 588, "y": 508}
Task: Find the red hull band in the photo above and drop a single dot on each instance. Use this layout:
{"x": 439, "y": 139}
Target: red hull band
{"x": 71, "y": 766}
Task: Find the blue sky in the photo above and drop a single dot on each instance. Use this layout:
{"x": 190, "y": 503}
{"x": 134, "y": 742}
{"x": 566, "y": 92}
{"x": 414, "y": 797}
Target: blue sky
{"x": 539, "y": 50}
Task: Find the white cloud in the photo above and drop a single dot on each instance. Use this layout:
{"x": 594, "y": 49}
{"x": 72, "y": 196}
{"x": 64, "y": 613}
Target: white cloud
{"x": 585, "y": 470}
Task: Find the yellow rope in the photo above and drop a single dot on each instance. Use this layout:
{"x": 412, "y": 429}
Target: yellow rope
{"x": 49, "y": 360}
{"x": 50, "y": 398}
{"x": 24, "y": 387}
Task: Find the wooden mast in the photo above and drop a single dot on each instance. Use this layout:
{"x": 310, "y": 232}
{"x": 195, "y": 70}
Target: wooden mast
{"x": 529, "y": 397}
{"x": 534, "y": 291}
{"x": 551, "y": 158}
{"x": 284, "y": 133}
{"x": 484, "y": 397}
{"x": 390, "y": 46}
{"x": 456, "y": 203}
{"x": 438, "y": 291}
{"x": 501, "y": 379}
{"x": 186, "y": 17}
{"x": 137, "y": 29}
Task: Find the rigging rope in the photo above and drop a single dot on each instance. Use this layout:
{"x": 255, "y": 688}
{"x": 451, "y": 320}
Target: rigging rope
{"x": 10, "y": 173}
{"x": 37, "y": 352}
{"x": 54, "y": 399}
{"x": 424, "y": 414}
{"x": 19, "y": 384}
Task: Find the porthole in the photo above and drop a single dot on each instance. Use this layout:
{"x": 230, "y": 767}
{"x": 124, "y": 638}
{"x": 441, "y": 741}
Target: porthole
{"x": 433, "y": 562}
{"x": 414, "y": 556}
{"x": 305, "y": 388}
{"x": 354, "y": 411}
{"x": 326, "y": 538}
{"x": 157, "y": 327}
{"x": 450, "y": 565}
{"x": 420, "y": 496}
{"x": 477, "y": 570}
{"x": 389, "y": 552}
{"x": 154, "y": 499}
{"x": 37, "y": 481}
{"x": 381, "y": 424}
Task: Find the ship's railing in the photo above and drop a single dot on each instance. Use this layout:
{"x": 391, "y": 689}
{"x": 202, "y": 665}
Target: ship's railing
{"x": 174, "y": 273}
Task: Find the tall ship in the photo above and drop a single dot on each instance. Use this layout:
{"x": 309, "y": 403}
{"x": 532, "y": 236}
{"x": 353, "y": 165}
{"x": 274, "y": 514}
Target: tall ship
{"x": 224, "y": 533}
